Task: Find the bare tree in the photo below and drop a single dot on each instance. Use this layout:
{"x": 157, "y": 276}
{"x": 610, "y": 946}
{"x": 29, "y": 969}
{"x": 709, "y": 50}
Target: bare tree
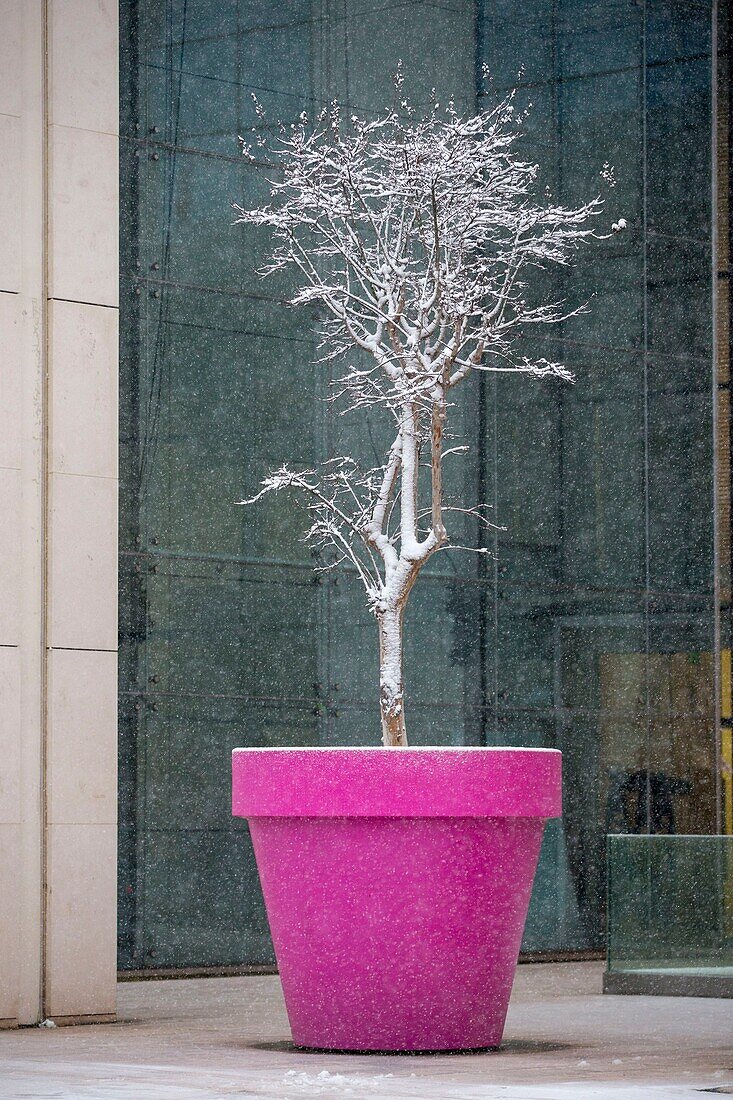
{"x": 414, "y": 235}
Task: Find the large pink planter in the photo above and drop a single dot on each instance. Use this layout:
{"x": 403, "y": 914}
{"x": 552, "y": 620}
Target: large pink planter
{"x": 397, "y": 883}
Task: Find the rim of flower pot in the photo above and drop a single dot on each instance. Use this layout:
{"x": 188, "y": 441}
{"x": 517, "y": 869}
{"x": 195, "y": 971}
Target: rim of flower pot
{"x": 390, "y": 748}
{"x": 419, "y": 781}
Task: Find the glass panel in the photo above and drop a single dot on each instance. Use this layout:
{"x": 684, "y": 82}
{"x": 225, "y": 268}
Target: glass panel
{"x": 604, "y": 605}
{"x": 592, "y": 628}
{"x": 670, "y": 904}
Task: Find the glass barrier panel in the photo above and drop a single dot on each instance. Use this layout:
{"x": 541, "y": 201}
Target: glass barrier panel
{"x": 670, "y": 904}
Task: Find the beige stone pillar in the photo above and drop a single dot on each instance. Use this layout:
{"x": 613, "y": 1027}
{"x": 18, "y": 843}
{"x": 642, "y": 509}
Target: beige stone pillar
{"x": 58, "y": 507}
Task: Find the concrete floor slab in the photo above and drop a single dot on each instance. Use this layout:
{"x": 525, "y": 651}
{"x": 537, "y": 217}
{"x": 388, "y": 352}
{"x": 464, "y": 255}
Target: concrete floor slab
{"x": 228, "y": 1037}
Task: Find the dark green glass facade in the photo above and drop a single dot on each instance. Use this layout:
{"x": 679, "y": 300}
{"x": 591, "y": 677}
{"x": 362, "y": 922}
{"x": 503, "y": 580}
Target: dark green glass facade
{"x": 593, "y": 627}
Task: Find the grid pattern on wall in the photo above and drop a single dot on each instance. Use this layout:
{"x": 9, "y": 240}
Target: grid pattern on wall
{"x": 593, "y": 626}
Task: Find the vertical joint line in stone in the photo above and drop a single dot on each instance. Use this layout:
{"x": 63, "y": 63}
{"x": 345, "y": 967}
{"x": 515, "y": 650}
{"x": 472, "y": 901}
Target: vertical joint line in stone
{"x": 45, "y": 503}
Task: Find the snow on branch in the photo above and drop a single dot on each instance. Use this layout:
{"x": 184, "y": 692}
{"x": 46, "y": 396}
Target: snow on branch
{"x": 339, "y": 499}
{"x": 415, "y": 237}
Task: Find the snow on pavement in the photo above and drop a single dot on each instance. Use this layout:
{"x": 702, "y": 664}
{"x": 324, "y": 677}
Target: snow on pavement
{"x": 31, "y": 1080}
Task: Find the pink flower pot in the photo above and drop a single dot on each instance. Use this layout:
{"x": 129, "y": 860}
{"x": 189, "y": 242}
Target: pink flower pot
{"x": 397, "y": 883}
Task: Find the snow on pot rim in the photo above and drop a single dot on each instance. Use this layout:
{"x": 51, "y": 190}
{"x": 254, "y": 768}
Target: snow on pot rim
{"x": 419, "y": 781}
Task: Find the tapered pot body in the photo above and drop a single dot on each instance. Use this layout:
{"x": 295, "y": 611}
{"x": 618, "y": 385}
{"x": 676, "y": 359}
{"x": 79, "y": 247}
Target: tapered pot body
{"x": 397, "y": 883}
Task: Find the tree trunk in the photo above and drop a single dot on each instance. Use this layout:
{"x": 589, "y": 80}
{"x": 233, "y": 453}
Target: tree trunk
{"x": 391, "y": 687}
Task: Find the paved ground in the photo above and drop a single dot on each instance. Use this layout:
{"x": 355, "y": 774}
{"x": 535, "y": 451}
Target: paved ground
{"x": 228, "y": 1037}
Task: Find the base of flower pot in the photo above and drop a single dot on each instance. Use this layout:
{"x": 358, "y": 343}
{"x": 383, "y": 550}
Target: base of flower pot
{"x": 397, "y": 931}
{"x": 392, "y": 1051}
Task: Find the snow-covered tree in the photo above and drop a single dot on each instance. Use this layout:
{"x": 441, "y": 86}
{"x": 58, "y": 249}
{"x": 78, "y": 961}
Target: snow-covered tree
{"x": 414, "y": 234}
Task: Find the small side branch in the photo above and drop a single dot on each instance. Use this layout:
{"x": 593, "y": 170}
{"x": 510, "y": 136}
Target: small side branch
{"x": 437, "y": 428}
{"x": 375, "y": 528}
